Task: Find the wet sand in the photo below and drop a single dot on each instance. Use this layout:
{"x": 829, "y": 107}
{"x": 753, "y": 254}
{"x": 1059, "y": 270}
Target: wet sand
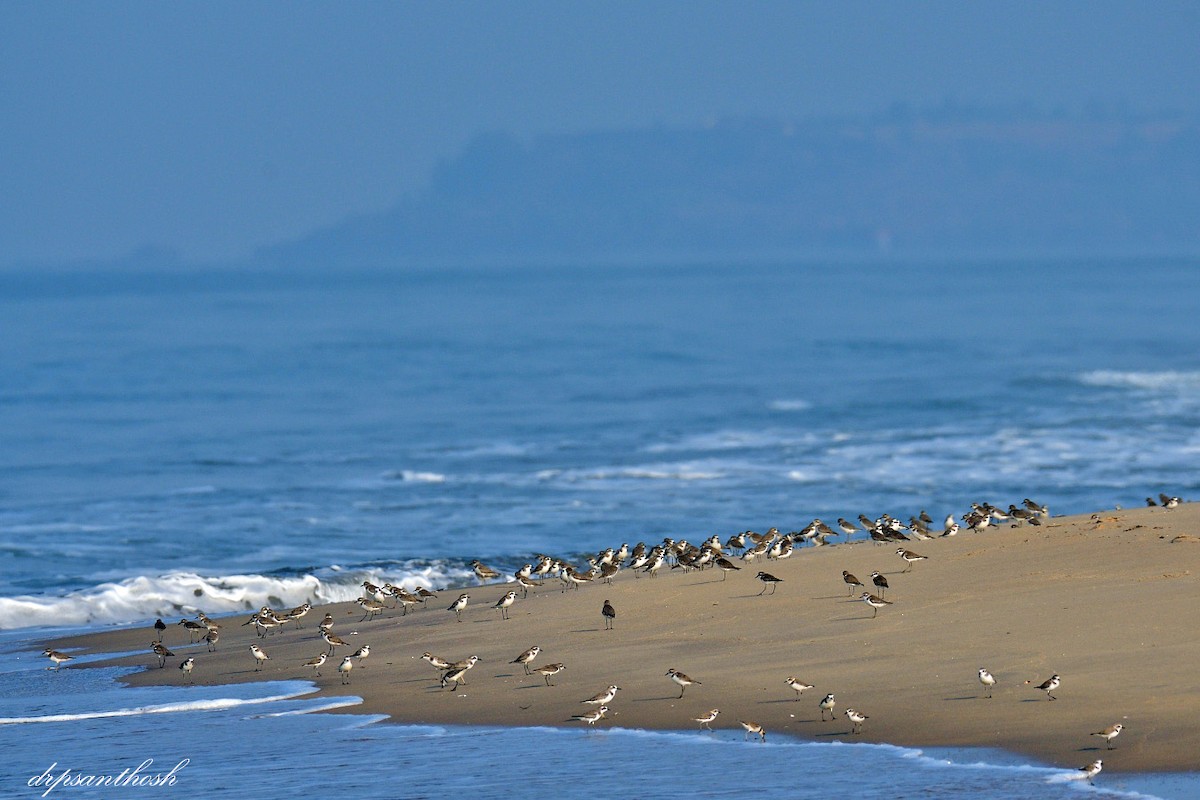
{"x": 1108, "y": 601}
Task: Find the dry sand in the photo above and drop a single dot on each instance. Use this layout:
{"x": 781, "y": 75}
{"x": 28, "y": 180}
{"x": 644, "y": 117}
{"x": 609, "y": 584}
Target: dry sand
{"x": 1108, "y": 601}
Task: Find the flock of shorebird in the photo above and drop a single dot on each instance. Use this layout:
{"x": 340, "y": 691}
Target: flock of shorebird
{"x": 725, "y": 556}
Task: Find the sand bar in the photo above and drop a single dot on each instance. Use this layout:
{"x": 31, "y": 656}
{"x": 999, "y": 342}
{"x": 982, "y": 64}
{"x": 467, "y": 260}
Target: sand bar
{"x": 1107, "y": 601}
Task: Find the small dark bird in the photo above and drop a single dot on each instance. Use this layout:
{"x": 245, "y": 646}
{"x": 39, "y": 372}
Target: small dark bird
{"x": 851, "y": 581}
{"x": 726, "y": 566}
{"x": 610, "y": 614}
{"x": 768, "y": 580}
{"x": 1150, "y": 501}
{"x": 159, "y": 627}
{"x": 880, "y": 583}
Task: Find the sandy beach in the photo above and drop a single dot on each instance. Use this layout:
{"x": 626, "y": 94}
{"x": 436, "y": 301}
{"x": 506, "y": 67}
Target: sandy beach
{"x": 1107, "y": 601}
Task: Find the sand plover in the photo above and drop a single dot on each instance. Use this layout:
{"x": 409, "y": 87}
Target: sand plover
{"x": 726, "y": 566}
{"x": 1092, "y": 769}
{"x": 875, "y": 602}
{"x": 62, "y": 658}
{"x": 484, "y": 572}
{"x": 880, "y": 583}
{"x": 856, "y": 718}
{"x": 159, "y": 627}
{"x": 604, "y": 697}
{"x": 549, "y": 671}
{"x": 211, "y": 638}
{"x": 333, "y": 640}
{"x": 345, "y": 667}
{"x": 851, "y": 581}
{"x": 706, "y": 719}
{"x": 260, "y": 656}
{"x": 1110, "y": 733}
{"x": 465, "y": 665}
{"x": 768, "y": 580}
{"x": 609, "y": 613}
{"x": 753, "y": 729}
{"x": 185, "y": 667}
{"x": 298, "y": 613}
{"x": 361, "y": 653}
{"x": 682, "y": 680}
{"x": 1049, "y": 685}
{"x": 798, "y": 685}
{"x": 160, "y": 650}
{"x": 592, "y": 717}
{"x": 523, "y": 659}
{"x": 987, "y": 679}
{"x": 195, "y": 629}
{"x": 454, "y": 677}
{"x": 317, "y": 663}
{"x": 439, "y": 663}
{"x": 458, "y": 605}
{"x": 504, "y": 603}
{"x": 827, "y": 703}
{"x": 910, "y": 557}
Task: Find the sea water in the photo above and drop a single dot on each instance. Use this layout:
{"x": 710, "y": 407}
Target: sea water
{"x": 218, "y": 441}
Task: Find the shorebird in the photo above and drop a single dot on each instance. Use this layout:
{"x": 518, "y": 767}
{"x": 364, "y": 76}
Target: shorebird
{"x": 526, "y": 583}
{"x": 326, "y": 623}
{"x": 453, "y": 677}
{"x": 162, "y": 652}
{"x": 159, "y": 627}
{"x": 371, "y": 608}
{"x": 768, "y": 580}
{"x": 592, "y": 717}
{"x": 987, "y": 679}
{"x": 726, "y": 566}
{"x": 316, "y": 663}
{"x": 909, "y": 557}
{"x": 683, "y": 680}
{"x": 333, "y": 640}
{"x": 851, "y": 581}
{"x": 880, "y": 583}
{"x": 1110, "y": 733}
{"x": 798, "y": 685}
{"x": 195, "y": 629}
{"x": 609, "y": 613}
{"x": 856, "y": 720}
{"x": 846, "y": 526}
{"x": 1049, "y": 685}
{"x": 604, "y": 697}
{"x": 549, "y": 670}
{"x": 753, "y": 729}
{"x": 523, "y": 659}
{"x": 707, "y": 718}
{"x": 61, "y": 658}
{"x": 484, "y": 572}
{"x": 345, "y": 667}
{"x": 827, "y": 703}
{"x": 441, "y": 663}
{"x": 466, "y": 664}
{"x": 504, "y": 602}
{"x": 297, "y": 613}
{"x": 874, "y": 602}
{"x": 458, "y": 605}
{"x": 211, "y": 638}
{"x": 185, "y": 667}
{"x": 259, "y": 656}
{"x": 1092, "y": 769}
{"x": 361, "y": 653}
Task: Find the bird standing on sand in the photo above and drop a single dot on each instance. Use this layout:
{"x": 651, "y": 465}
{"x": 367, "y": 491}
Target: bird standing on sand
{"x": 604, "y": 697}
{"x": 682, "y": 680}
{"x": 524, "y": 659}
{"x": 260, "y": 656}
{"x": 162, "y": 652}
{"x": 609, "y": 613}
{"x": 851, "y": 581}
{"x": 317, "y": 663}
{"x": 458, "y": 605}
{"x": 345, "y": 667}
{"x": 1049, "y": 685}
{"x": 484, "y": 572}
{"x": 827, "y": 703}
{"x": 856, "y": 718}
{"x": 549, "y": 671}
{"x": 1110, "y": 733}
{"x": 874, "y": 602}
{"x": 705, "y": 719}
{"x": 987, "y": 679}
{"x": 798, "y": 685}
{"x": 768, "y": 580}
{"x": 909, "y": 557}
{"x": 159, "y": 627}
{"x": 726, "y": 566}
{"x": 185, "y": 667}
{"x": 504, "y": 602}
{"x": 880, "y": 583}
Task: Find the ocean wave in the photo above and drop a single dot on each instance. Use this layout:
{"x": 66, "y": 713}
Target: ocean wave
{"x": 210, "y": 704}
{"x": 789, "y": 405}
{"x": 415, "y": 476}
{"x": 1164, "y": 381}
{"x": 185, "y": 593}
{"x": 651, "y": 472}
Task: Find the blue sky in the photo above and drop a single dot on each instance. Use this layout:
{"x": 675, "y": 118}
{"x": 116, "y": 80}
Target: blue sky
{"x": 215, "y": 128}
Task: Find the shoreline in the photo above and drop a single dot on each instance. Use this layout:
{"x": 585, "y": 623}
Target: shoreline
{"x": 1104, "y": 600}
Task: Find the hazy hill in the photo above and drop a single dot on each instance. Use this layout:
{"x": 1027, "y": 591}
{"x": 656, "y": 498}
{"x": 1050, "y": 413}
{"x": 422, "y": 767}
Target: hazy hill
{"x": 952, "y": 182}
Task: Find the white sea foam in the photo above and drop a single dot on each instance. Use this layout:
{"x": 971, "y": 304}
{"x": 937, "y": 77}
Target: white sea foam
{"x": 415, "y": 476}
{"x": 184, "y": 593}
{"x": 789, "y": 405}
{"x": 211, "y": 704}
{"x": 1165, "y": 381}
